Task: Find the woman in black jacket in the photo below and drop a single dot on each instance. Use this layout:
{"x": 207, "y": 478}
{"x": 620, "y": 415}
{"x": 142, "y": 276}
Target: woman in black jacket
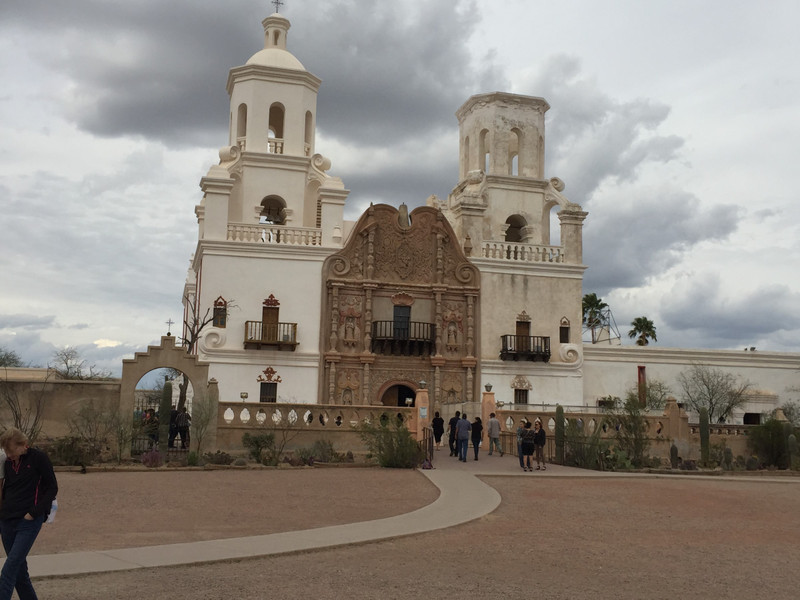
{"x": 477, "y": 433}
{"x": 29, "y": 488}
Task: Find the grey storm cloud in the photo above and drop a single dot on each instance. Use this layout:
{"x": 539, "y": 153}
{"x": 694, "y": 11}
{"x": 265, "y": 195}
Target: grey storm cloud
{"x": 630, "y": 242}
{"x": 757, "y": 313}
{"x": 23, "y": 321}
{"x": 157, "y": 69}
{"x": 592, "y": 138}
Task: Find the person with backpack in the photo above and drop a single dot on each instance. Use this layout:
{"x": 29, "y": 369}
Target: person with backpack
{"x": 29, "y": 488}
{"x": 477, "y": 434}
{"x": 452, "y": 423}
{"x": 182, "y": 422}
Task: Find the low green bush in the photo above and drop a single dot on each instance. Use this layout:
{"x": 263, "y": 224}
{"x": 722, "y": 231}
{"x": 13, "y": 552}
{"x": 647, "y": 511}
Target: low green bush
{"x": 392, "y": 444}
{"x": 218, "y": 458}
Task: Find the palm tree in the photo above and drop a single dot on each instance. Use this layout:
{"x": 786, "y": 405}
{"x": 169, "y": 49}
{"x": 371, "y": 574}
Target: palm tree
{"x": 593, "y": 313}
{"x": 642, "y": 328}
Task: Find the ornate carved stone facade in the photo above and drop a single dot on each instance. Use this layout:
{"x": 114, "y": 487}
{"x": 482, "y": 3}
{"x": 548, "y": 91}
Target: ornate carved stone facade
{"x": 399, "y": 308}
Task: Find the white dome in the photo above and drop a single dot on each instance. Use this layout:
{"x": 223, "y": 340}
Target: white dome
{"x": 276, "y": 57}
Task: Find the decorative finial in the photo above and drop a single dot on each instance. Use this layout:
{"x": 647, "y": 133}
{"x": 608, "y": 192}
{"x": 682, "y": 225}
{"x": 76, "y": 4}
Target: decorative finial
{"x": 169, "y": 323}
{"x": 278, "y": 5}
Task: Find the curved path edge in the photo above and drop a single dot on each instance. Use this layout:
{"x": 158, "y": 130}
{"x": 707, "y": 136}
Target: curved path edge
{"x": 461, "y": 499}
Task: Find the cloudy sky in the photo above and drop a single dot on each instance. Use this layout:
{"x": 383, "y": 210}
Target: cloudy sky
{"x": 675, "y": 123}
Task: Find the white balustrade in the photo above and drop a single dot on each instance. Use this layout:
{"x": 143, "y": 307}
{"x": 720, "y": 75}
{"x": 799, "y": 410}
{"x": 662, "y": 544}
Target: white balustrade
{"x": 274, "y": 234}
{"x": 518, "y": 252}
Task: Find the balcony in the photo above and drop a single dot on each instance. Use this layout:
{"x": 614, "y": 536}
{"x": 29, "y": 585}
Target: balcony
{"x": 282, "y": 336}
{"x": 403, "y": 338}
{"x": 525, "y": 347}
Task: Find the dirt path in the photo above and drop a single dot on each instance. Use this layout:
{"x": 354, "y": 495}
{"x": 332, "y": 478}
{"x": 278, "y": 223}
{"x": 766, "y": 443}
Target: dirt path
{"x": 549, "y": 539}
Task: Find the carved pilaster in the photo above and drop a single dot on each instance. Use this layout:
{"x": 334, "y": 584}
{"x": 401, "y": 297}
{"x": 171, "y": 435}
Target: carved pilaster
{"x": 365, "y": 389}
{"x": 470, "y": 383}
{"x": 334, "y": 338}
{"x": 470, "y": 325}
{"x": 368, "y": 320}
{"x": 439, "y": 323}
{"x": 332, "y": 384}
{"x": 370, "y": 254}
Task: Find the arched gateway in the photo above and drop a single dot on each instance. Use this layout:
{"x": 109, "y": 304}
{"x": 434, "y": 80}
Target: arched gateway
{"x": 164, "y": 356}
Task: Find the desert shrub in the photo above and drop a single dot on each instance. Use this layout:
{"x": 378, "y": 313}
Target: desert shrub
{"x": 673, "y": 456}
{"x": 70, "y": 451}
{"x": 257, "y": 444}
{"x": 240, "y": 462}
{"x": 392, "y": 444}
{"x": 752, "y": 463}
{"x": 218, "y": 458}
{"x": 581, "y": 448}
{"x": 727, "y": 459}
{"x": 616, "y": 459}
{"x": 305, "y": 456}
{"x": 152, "y": 458}
{"x": 192, "y": 459}
{"x": 560, "y": 434}
{"x": 768, "y": 442}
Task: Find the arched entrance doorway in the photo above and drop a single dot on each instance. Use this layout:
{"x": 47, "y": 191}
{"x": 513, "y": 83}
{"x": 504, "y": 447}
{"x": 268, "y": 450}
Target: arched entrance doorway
{"x": 398, "y": 395}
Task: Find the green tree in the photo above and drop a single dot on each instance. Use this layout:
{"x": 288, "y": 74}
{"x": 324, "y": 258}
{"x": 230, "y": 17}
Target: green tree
{"x": 656, "y": 393}
{"x": 593, "y": 313}
{"x": 9, "y": 358}
{"x": 643, "y": 330}
{"x": 717, "y": 390}
{"x": 632, "y": 432}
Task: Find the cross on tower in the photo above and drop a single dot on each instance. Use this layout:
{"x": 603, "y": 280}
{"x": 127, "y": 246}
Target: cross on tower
{"x": 169, "y": 323}
{"x": 278, "y": 5}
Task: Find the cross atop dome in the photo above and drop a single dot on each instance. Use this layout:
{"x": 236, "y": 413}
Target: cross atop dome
{"x": 277, "y": 4}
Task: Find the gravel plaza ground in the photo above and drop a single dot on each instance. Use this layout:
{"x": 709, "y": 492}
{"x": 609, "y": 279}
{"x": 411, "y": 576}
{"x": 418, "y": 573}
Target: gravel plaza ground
{"x": 557, "y": 534}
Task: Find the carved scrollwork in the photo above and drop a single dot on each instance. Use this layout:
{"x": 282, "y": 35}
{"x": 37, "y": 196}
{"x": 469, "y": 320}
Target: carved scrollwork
{"x": 569, "y": 353}
{"x": 341, "y": 266}
{"x": 214, "y": 338}
{"x": 465, "y": 273}
{"x": 320, "y": 162}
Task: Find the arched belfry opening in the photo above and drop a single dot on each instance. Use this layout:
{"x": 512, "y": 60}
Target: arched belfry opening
{"x": 241, "y": 126}
{"x": 276, "y": 116}
{"x": 483, "y": 150}
{"x": 514, "y": 145}
{"x": 273, "y": 211}
{"x": 515, "y": 224}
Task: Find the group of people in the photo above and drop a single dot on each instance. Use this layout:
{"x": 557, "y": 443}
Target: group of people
{"x": 179, "y": 422}
{"x": 530, "y": 441}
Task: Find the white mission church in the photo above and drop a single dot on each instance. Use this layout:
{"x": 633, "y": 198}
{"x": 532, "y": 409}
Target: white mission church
{"x": 452, "y": 296}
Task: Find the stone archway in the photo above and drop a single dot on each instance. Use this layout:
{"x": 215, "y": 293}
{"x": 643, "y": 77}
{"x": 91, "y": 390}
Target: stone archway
{"x": 167, "y": 355}
{"x": 393, "y": 393}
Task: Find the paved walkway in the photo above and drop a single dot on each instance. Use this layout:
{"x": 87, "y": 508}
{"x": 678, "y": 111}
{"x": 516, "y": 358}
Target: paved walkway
{"x": 463, "y": 497}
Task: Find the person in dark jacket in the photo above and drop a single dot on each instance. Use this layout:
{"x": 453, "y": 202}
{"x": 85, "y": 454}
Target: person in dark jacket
{"x": 29, "y": 488}
{"x": 539, "y": 440}
{"x": 438, "y": 429}
{"x": 477, "y": 434}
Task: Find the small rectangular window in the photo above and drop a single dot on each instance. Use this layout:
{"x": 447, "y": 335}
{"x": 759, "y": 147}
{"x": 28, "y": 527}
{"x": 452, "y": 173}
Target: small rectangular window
{"x": 269, "y": 391}
{"x": 563, "y": 334}
{"x": 220, "y": 316}
{"x": 520, "y": 396}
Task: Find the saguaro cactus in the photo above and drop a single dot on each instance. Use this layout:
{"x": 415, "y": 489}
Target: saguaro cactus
{"x": 673, "y": 456}
{"x": 704, "y": 436}
{"x": 791, "y": 447}
{"x": 164, "y": 409}
{"x": 559, "y": 434}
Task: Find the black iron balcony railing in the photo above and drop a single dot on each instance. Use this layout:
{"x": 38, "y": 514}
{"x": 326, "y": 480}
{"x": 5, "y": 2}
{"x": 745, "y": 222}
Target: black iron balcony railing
{"x": 410, "y": 338}
{"x": 525, "y": 347}
{"x": 280, "y": 335}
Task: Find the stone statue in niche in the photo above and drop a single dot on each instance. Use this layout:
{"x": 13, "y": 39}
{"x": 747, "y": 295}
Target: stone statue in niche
{"x": 452, "y": 336}
{"x": 347, "y": 397}
{"x": 349, "y": 321}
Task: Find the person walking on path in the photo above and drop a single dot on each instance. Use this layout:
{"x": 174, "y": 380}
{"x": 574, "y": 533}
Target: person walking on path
{"x": 29, "y": 488}
{"x": 520, "y": 431}
{"x": 539, "y": 440}
{"x": 477, "y": 434}
{"x": 462, "y": 437}
{"x": 493, "y": 433}
{"x": 527, "y": 446}
{"x": 452, "y": 423}
{"x": 437, "y": 423}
